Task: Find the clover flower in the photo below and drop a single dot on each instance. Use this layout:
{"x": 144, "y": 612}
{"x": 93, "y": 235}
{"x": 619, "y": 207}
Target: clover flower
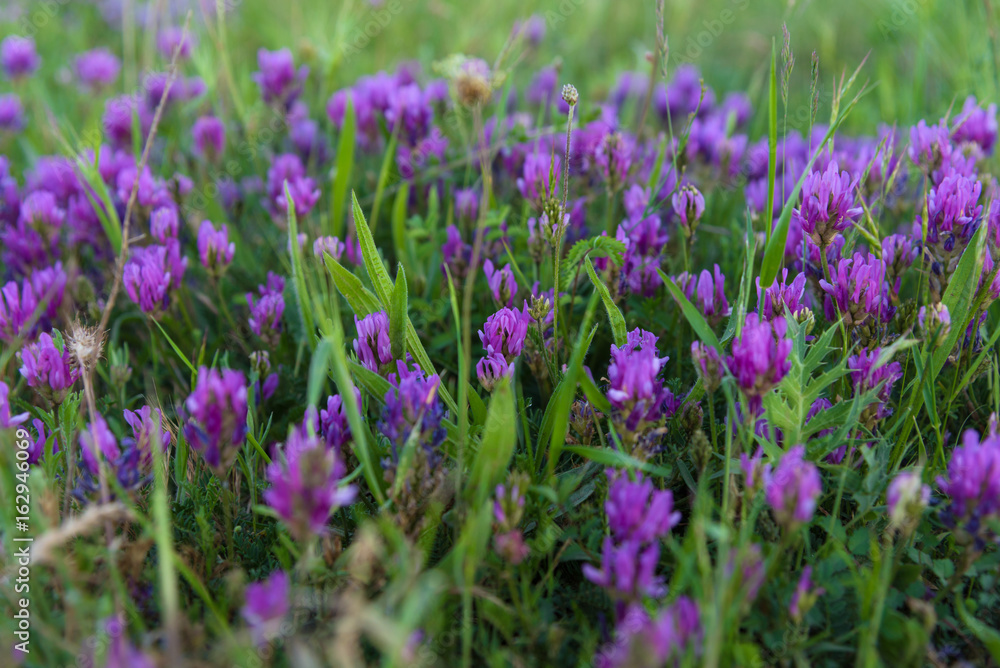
{"x": 972, "y": 485}
{"x": 689, "y": 205}
{"x": 267, "y": 309}
{"x": 867, "y": 375}
{"x": 11, "y": 113}
{"x": 782, "y": 298}
{"x": 217, "y": 417}
{"x": 18, "y": 56}
{"x": 333, "y": 424}
{"x": 708, "y": 364}
{"x": 540, "y": 178}
{"x": 976, "y": 125}
{"x": 148, "y": 425}
{"x": 501, "y": 283}
{"x": 48, "y": 368}
{"x": 792, "y": 488}
{"x": 413, "y": 403}
{"x": 277, "y": 78}
{"x": 209, "y": 134}
{"x": 214, "y": 248}
{"x": 858, "y": 291}
{"x": 372, "y": 346}
{"x": 898, "y": 253}
{"x": 636, "y": 392}
{"x": 172, "y": 37}
{"x": 151, "y": 273}
{"x": 97, "y": 68}
{"x": 305, "y": 487}
{"x": 266, "y": 605}
{"x": 759, "y": 359}
{"x": 827, "y": 204}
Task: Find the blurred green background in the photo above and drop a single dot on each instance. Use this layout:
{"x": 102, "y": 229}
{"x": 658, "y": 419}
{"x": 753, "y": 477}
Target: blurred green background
{"x": 923, "y": 54}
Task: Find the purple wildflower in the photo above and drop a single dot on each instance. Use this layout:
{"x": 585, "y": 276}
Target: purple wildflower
{"x": 760, "y": 357}
{"x": 48, "y": 368}
{"x": 935, "y": 321}
{"x": 491, "y": 368}
{"x": 906, "y": 499}
{"x": 501, "y": 282}
{"x": 164, "y": 224}
{"x": 827, "y": 206}
{"x": 613, "y": 159}
{"x": 305, "y": 485}
{"x": 209, "y": 135}
{"x": 805, "y": 596}
{"x": 97, "y": 68}
{"x": 8, "y": 421}
{"x": 628, "y": 570}
{"x": 266, "y": 605}
{"x": 976, "y": 125}
{"x": 17, "y": 307}
{"x": 97, "y": 443}
{"x": 689, "y": 205}
{"x": 217, "y": 417}
{"x": 333, "y": 423}
{"x": 637, "y": 511}
{"x": 711, "y": 295}
{"x": 754, "y": 469}
{"x": 266, "y": 310}
{"x": 782, "y": 298}
{"x": 466, "y": 204}
{"x": 867, "y": 376}
{"x": 148, "y": 425}
{"x": 372, "y": 346}
{"x": 149, "y": 275}
{"x": 11, "y": 113}
{"x": 540, "y": 178}
{"x": 708, "y": 364}
{"x": 504, "y": 333}
{"x": 118, "y": 117}
{"x": 18, "y": 56}
{"x": 214, "y": 248}
{"x": 793, "y": 488}
{"x": 636, "y": 390}
{"x": 857, "y": 290}
{"x": 972, "y": 486}
{"x": 120, "y": 653}
{"x": 413, "y": 402}
{"x": 278, "y": 80}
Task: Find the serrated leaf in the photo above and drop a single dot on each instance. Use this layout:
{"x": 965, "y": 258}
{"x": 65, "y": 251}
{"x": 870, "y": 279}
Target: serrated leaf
{"x": 618, "y": 328}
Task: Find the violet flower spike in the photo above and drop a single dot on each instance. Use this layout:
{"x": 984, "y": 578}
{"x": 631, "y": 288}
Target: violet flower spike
{"x": 372, "y": 346}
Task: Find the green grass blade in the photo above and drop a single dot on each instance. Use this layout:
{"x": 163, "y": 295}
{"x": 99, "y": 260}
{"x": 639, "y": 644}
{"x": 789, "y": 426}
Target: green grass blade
{"x": 342, "y": 175}
{"x": 691, "y": 314}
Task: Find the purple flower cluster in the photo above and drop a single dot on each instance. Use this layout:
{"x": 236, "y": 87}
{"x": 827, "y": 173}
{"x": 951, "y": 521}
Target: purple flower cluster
{"x": 97, "y": 69}
{"x": 636, "y": 392}
{"x": 972, "y": 486}
{"x": 638, "y": 517}
{"x": 501, "y": 282}
{"x": 867, "y": 375}
{"x": 21, "y": 312}
{"x": 793, "y": 488}
{"x": 280, "y": 83}
{"x": 782, "y": 299}
{"x": 898, "y": 253}
{"x": 827, "y": 205}
{"x": 858, "y": 290}
{"x": 305, "y": 193}
{"x": 217, "y": 417}
{"x": 11, "y": 113}
{"x": 148, "y": 427}
{"x": 48, "y": 368}
{"x": 373, "y": 347}
{"x": 689, "y": 205}
{"x": 152, "y": 273}
{"x": 209, "y": 134}
{"x": 266, "y": 605}
{"x": 305, "y": 484}
{"x": 759, "y": 359}
{"x": 707, "y": 293}
{"x": 18, "y": 56}
{"x": 805, "y": 596}
{"x": 266, "y": 310}
{"x": 413, "y": 403}
{"x": 503, "y": 337}
{"x": 214, "y": 248}
{"x": 675, "y": 633}
{"x": 645, "y": 237}
{"x": 708, "y": 364}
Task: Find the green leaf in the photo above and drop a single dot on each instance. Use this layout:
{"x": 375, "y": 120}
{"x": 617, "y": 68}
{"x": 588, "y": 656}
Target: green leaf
{"x": 298, "y": 278}
{"x": 691, "y": 314}
{"x": 383, "y": 290}
{"x": 359, "y": 441}
{"x": 615, "y": 317}
{"x": 173, "y": 345}
{"x": 342, "y": 176}
{"x": 318, "y": 368}
{"x": 497, "y": 444}
{"x": 383, "y": 178}
{"x": 772, "y": 141}
{"x": 359, "y": 298}
{"x": 617, "y": 459}
{"x": 397, "y": 316}
{"x": 594, "y": 247}
{"x": 399, "y": 239}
